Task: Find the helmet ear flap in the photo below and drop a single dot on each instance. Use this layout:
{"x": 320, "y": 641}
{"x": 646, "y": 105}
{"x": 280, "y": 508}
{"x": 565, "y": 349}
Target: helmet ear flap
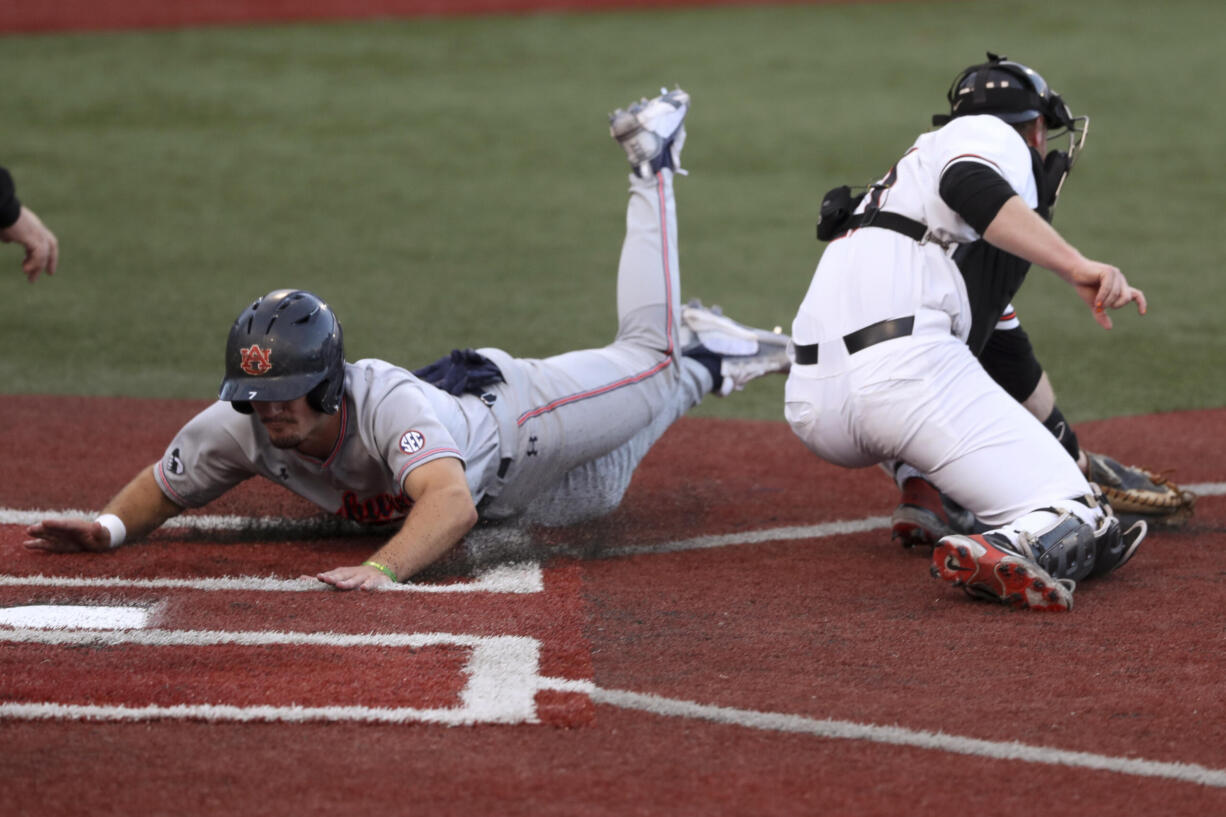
{"x": 323, "y": 398}
{"x": 1058, "y": 114}
{"x": 326, "y": 396}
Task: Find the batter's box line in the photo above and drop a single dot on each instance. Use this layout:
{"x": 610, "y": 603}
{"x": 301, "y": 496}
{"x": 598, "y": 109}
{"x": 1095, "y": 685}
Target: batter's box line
{"x": 1010, "y": 752}
{"x": 517, "y": 578}
{"x": 503, "y": 677}
{"x": 891, "y": 735}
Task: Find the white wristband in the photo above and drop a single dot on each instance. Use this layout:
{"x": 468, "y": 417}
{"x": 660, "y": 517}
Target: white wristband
{"x": 115, "y": 525}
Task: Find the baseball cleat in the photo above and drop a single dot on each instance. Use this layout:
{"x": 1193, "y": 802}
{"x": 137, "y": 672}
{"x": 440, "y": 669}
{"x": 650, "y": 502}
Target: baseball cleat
{"x": 721, "y": 334}
{"x": 738, "y": 370}
{"x": 987, "y": 567}
{"x": 652, "y": 131}
{"x": 925, "y": 515}
{"x": 744, "y": 353}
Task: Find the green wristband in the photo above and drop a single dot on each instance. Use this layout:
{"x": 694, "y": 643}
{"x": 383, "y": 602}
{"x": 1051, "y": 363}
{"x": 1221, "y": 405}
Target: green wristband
{"x": 384, "y": 569}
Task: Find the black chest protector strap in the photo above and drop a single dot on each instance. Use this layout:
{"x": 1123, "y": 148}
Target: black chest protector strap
{"x": 912, "y": 229}
{"x": 837, "y": 219}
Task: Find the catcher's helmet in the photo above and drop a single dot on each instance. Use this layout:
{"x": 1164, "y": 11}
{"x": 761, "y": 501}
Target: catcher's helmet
{"x": 285, "y": 345}
{"x": 1007, "y": 90}
{"x": 1012, "y": 92}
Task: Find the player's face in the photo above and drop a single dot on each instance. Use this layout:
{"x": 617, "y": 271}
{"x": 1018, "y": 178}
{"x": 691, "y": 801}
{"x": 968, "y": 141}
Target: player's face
{"x": 291, "y": 423}
{"x": 1036, "y": 136}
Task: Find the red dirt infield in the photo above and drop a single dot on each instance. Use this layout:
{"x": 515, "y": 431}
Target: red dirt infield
{"x": 786, "y": 669}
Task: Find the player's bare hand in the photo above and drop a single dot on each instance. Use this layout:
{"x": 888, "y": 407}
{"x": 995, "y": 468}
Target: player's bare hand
{"x": 42, "y": 247}
{"x": 359, "y": 577}
{"x": 68, "y": 536}
{"x": 1104, "y": 287}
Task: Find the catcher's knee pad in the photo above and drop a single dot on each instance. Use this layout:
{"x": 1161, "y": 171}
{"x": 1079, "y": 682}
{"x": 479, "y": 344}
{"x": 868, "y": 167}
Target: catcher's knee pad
{"x": 1067, "y": 549}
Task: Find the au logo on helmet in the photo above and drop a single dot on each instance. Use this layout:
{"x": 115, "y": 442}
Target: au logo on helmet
{"x": 256, "y": 361}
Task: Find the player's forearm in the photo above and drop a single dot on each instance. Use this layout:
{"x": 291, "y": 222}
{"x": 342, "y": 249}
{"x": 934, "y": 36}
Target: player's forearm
{"x": 438, "y": 521}
{"x": 142, "y": 506}
{"x": 1018, "y": 230}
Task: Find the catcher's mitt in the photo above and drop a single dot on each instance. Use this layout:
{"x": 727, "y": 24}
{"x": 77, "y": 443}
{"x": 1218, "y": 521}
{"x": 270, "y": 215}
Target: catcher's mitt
{"x": 1135, "y": 492}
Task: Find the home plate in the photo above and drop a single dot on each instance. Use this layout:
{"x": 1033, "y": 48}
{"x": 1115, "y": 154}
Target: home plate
{"x": 74, "y": 617}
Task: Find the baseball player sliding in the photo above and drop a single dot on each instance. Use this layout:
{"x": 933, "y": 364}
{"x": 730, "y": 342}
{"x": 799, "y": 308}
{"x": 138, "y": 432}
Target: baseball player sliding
{"x": 476, "y": 434}
{"x": 883, "y": 372}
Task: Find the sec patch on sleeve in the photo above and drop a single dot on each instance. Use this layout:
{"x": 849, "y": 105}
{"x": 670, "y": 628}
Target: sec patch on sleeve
{"x": 412, "y": 441}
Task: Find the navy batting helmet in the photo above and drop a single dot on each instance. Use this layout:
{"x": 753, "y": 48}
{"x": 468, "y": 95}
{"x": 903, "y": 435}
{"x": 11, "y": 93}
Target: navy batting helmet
{"x": 1007, "y": 90}
{"x": 285, "y": 345}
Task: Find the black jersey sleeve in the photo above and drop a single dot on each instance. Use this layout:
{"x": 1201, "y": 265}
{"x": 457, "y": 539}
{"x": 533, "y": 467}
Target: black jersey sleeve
{"x": 975, "y": 191}
{"x": 10, "y": 207}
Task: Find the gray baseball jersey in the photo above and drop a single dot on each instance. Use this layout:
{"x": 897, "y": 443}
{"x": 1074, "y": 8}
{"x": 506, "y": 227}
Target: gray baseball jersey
{"x": 391, "y": 422}
{"x": 558, "y": 441}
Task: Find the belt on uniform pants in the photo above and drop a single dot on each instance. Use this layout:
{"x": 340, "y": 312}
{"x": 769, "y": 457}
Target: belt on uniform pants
{"x": 874, "y": 333}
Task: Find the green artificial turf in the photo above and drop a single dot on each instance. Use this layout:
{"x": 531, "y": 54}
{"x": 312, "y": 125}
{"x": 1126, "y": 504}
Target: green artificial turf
{"x": 451, "y": 182}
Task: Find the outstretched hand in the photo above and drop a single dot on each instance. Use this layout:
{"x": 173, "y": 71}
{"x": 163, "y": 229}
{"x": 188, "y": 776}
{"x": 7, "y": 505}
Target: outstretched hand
{"x": 1104, "y": 287}
{"x": 68, "y": 536}
{"x": 42, "y": 247}
{"x": 359, "y": 577}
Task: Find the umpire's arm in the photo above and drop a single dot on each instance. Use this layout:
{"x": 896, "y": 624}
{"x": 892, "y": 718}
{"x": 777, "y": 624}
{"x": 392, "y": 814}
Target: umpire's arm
{"x": 141, "y": 507}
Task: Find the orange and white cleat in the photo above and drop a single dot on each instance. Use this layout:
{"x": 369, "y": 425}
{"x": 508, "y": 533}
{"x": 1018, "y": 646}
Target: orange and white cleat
{"x": 988, "y": 567}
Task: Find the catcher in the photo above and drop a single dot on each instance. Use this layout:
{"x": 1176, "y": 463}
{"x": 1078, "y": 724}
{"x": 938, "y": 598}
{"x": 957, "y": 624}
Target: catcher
{"x": 924, "y": 515}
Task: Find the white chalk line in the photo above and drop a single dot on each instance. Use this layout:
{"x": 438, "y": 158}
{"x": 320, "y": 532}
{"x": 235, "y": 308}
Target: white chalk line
{"x": 503, "y": 673}
{"x": 518, "y": 578}
{"x": 502, "y": 687}
{"x": 899, "y": 736}
{"x": 511, "y": 578}
{"x": 755, "y": 537}
{"x": 204, "y": 522}
{"x": 243, "y": 638}
{"x": 16, "y": 516}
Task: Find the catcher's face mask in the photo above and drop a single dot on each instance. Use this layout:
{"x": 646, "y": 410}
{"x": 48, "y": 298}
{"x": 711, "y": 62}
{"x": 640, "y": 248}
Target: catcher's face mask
{"x": 1058, "y": 163}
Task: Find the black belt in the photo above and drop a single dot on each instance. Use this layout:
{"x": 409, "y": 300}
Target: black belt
{"x": 861, "y": 339}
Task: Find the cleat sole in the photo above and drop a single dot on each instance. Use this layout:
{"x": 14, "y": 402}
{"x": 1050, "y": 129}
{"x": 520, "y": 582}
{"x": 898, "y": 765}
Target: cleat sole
{"x": 987, "y": 572}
